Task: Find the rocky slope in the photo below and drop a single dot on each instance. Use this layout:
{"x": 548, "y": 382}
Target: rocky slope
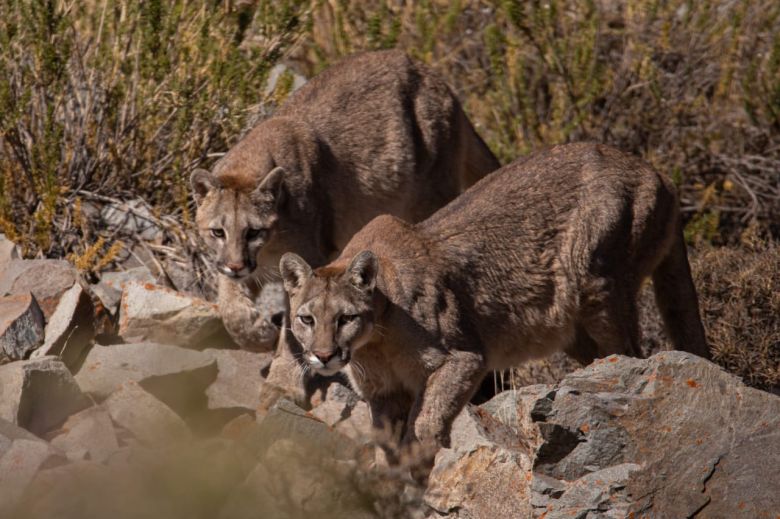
{"x": 160, "y": 419}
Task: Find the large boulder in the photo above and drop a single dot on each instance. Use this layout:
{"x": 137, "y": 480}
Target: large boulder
{"x": 39, "y": 394}
{"x": 21, "y": 326}
{"x": 669, "y": 436}
{"x": 177, "y": 376}
{"x": 46, "y": 279}
{"x": 70, "y": 328}
{"x": 637, "y": 419}
{"x": 152, "y": 313}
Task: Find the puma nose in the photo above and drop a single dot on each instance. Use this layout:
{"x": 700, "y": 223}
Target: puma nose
{"x": 235, "y": 267}
{"x": 323, "y": 356}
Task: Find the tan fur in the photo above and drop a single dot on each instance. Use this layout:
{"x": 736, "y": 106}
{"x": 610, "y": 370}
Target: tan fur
{"x": 545, "y": 254}
{"x": 376, "y": 133}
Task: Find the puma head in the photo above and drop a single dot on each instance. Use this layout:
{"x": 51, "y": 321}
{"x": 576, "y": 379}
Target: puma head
{"x": 331, "y": 309}
{"x": 237, "y": 220}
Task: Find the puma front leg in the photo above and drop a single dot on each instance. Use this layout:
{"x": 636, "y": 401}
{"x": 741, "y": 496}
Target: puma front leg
{"x": 446, "y": 392}
{"x": 241, "y": 318}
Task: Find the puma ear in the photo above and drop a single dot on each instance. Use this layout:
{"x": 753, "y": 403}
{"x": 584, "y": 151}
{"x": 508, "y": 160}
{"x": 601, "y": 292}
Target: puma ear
{"x": 202, "y": 181}
{"x": 295, "y": 271}
{"x": 362, "y": 271}
{"x": 271, "y": 184}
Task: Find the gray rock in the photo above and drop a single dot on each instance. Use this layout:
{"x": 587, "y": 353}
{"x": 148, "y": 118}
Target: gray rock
{"x": 70, "y": 328}
{"x": 19, "y": 465}
{"x": 148, "y": 419}
{"x": 112, "y": 284}
{"x": 39, "y": 394}
{"x": 177, "y": 376}
{"x": 152, "y": 313}
{"x": 239, "y": 380}
{"x": 21, "y": 325}
{"x": 672, "y": 436}
{"x": 89, "y": 431}
{"x": 46, "y": 279}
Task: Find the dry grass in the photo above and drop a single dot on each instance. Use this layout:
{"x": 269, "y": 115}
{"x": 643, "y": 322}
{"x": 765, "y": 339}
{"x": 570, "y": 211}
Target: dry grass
{"x": 106, "y": 101}
{"x": 693, "y": 87}
{"x": 739, "y": 292}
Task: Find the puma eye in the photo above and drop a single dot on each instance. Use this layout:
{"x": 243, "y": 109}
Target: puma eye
{"x": 346, "y": 319}
{"x": 254, "y": 234}
{"x": 218, "y": 233}
{"x": 306, "y": 319}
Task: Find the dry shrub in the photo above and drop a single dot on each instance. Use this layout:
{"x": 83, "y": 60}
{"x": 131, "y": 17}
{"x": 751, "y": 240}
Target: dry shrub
{"x": 104, "y": 101}
{"x": 739, "y": 294}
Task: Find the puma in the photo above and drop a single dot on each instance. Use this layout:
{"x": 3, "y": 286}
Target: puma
{"x": 375, "y": 133}
{"x": 548, "y": 253}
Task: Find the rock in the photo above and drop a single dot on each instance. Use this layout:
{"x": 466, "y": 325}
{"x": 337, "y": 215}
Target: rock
{"x": 21, "y": 326}
{"x": 46, "y": 279}
{"x": 10, "y": 432}
{"x": 673, "y": 435}
{"x": 9, "y": 251}
{"x": 112, "y": 284}
{"x": 239, "y": 379}
{"x": 74, "y": 491}
{"x": 39, "y": 394}
{"x": 150, "y": 420}
{"x": 285, "y": 420}
{"x": 299, "y": 481}
{"x": 177, "y": 376}
{"x": 190, "y": 480}
{"x": 90, "y": 431}
{"x": 338, "y": 404}
{"x": 357, "y": 425}
{"x": 279, "y": 71}
{"x": 71, "y": 327}
{"x": 152, "y": 313}
{"x": 132, "y": 217}
{"x": 18, "y": 466}
{"x": 483, "y": 474}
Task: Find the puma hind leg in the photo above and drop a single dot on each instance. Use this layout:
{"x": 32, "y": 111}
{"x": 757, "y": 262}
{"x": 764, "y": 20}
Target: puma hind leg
{"x": 675, "y": 296}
